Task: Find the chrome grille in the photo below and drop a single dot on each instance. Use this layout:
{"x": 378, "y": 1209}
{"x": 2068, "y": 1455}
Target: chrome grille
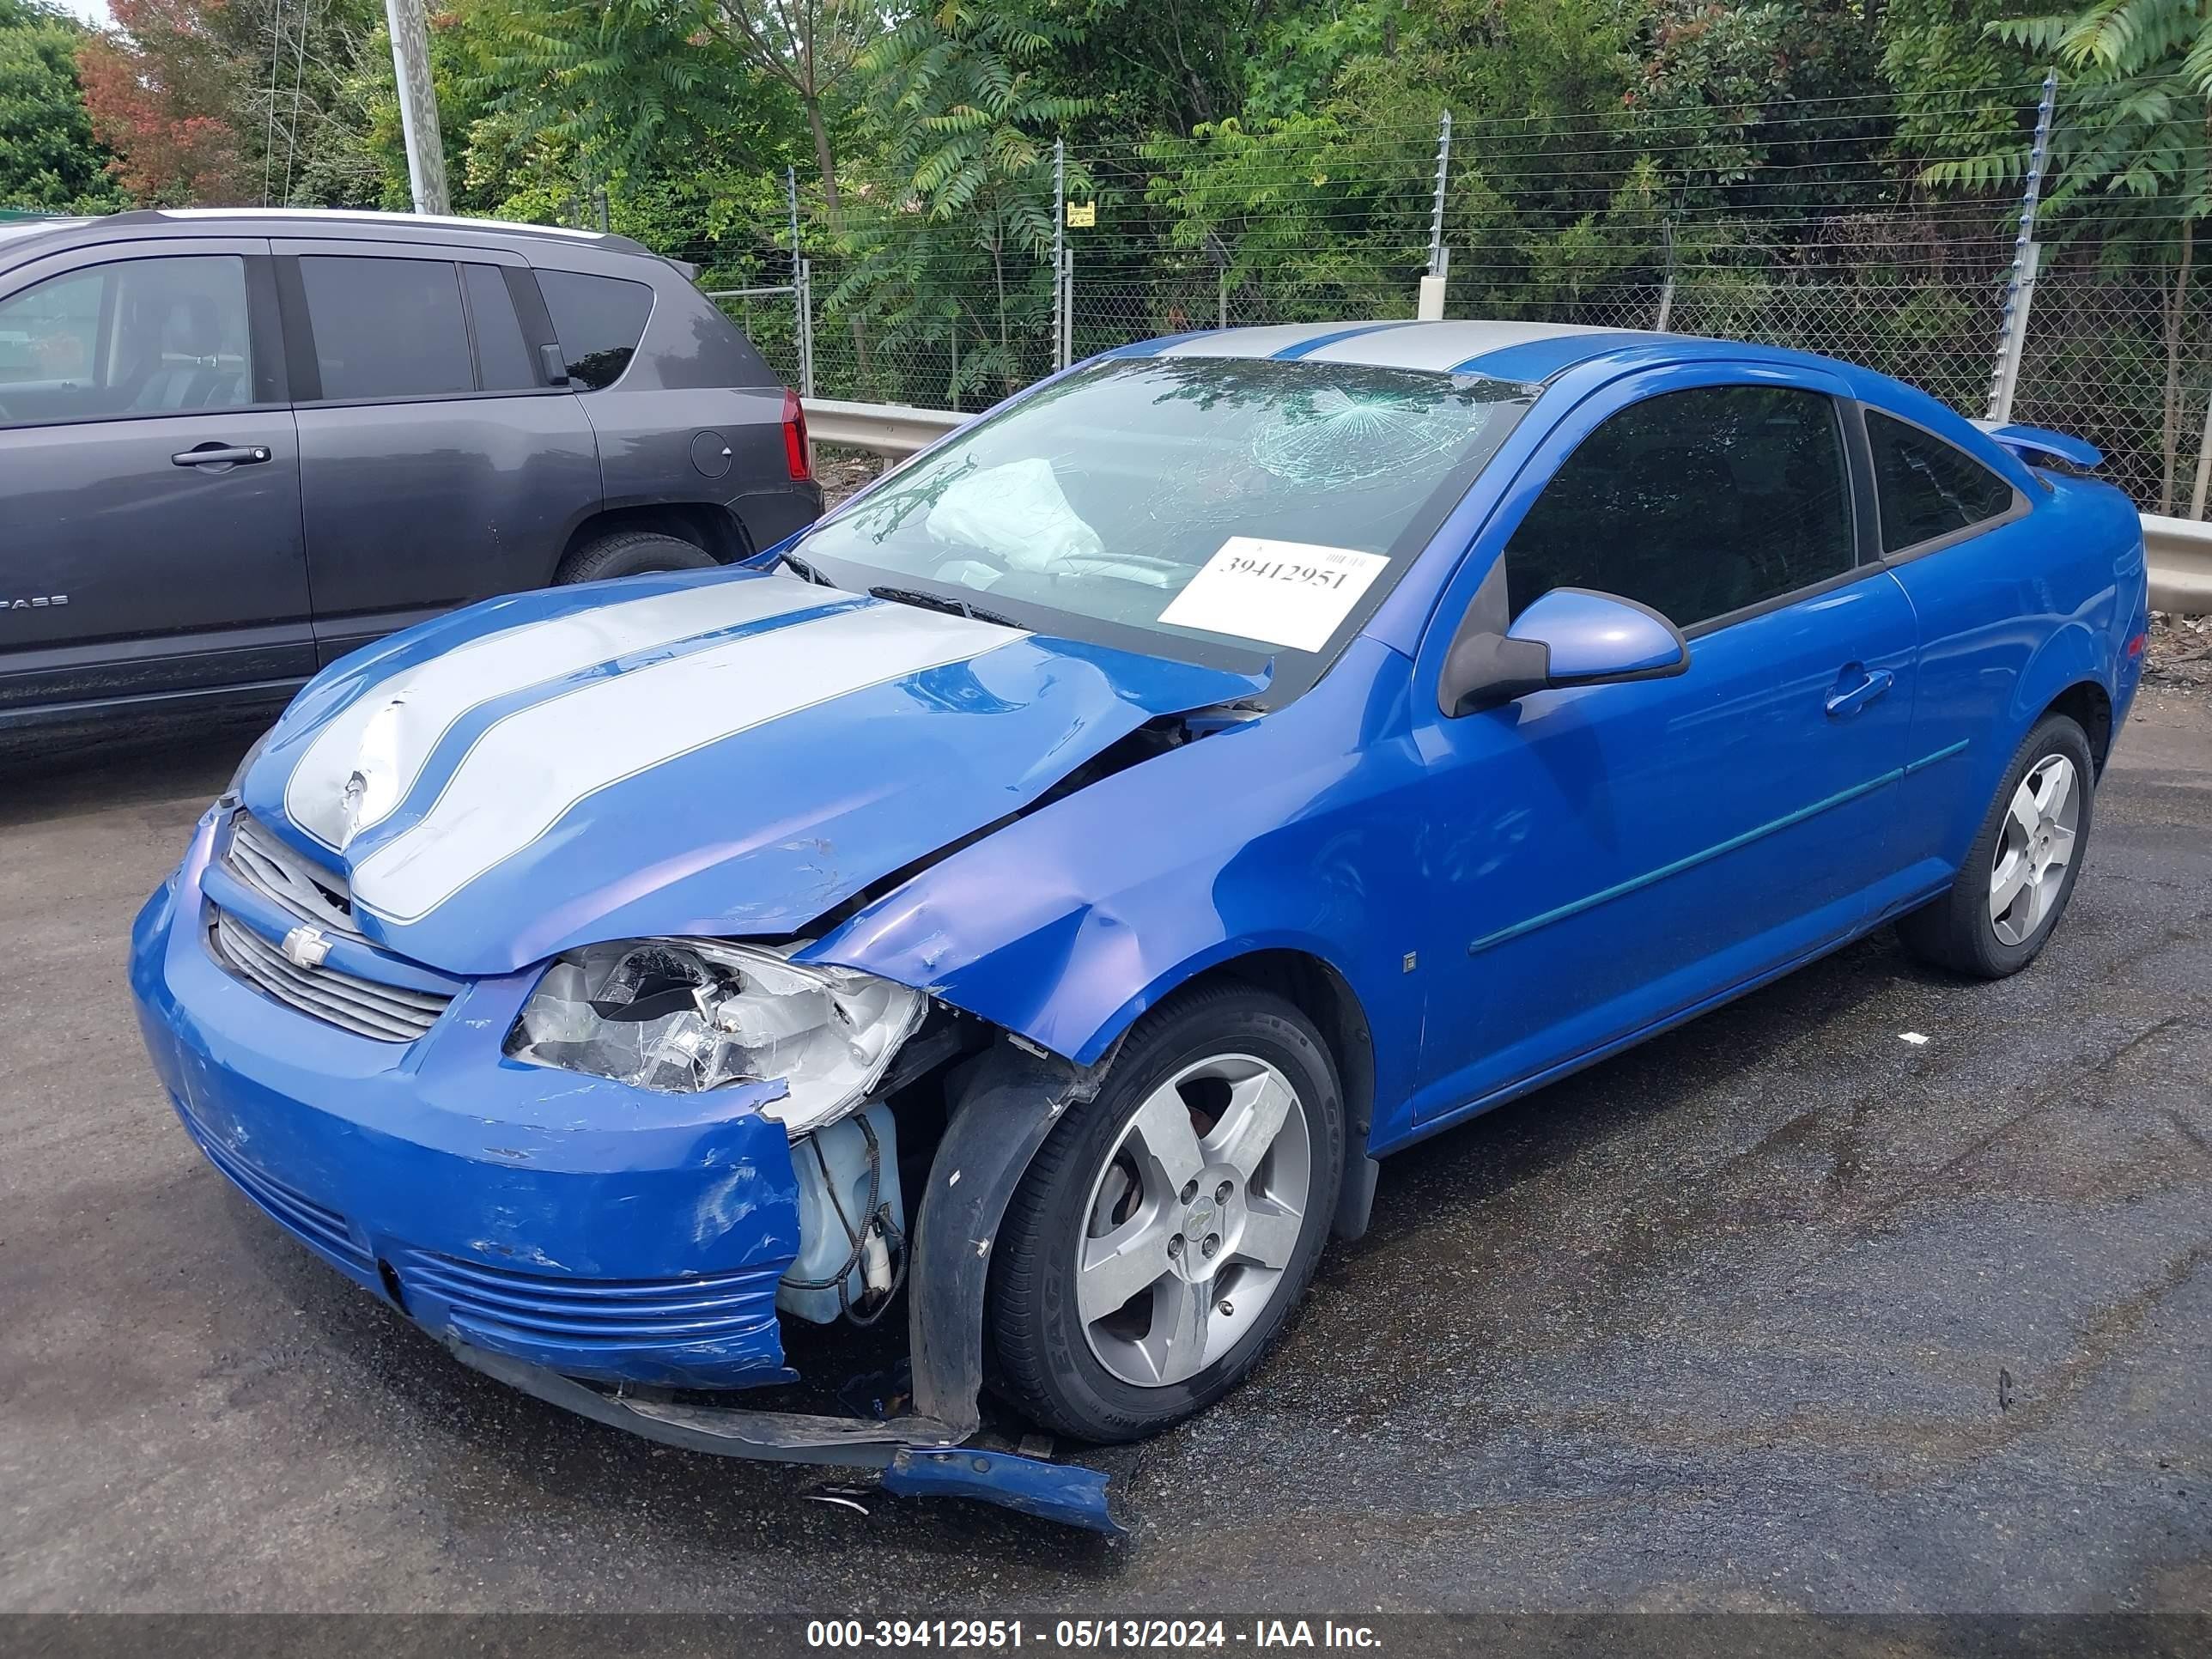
{"x": 390, "y": 1014}
{"x": 276, "y": 873}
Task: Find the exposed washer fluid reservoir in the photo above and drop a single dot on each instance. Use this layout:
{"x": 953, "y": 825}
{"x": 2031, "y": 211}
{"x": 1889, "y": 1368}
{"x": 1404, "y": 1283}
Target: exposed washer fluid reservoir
{"x": 856, "y": 1238}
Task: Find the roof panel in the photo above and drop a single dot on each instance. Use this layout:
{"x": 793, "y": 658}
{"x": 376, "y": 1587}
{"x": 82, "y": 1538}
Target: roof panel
{"x": 1510, "y": 350}
{"x": 1262, "y": 342}
{"x": 1440, "y": 346}
{"x": 1540, "y": 357}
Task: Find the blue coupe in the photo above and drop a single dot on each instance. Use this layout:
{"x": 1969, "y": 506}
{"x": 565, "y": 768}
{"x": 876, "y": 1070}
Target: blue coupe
{"x": 1042, "y": 889}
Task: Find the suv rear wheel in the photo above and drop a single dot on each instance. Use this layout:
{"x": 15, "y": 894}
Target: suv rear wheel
{"x": 631, "y": 553}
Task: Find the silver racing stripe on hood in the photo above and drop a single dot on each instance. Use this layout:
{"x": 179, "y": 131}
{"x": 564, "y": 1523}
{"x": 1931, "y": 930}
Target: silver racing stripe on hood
{"x": 529, "y": 769}
{"x": 361, "y": 765}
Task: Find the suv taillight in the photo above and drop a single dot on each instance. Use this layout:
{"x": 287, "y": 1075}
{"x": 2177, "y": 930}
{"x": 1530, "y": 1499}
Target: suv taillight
{"x": 795, "y": 455}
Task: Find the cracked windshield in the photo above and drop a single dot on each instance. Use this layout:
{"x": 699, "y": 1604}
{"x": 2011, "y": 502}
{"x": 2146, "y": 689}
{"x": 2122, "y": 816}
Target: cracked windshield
{"x": 1221, "y": 511}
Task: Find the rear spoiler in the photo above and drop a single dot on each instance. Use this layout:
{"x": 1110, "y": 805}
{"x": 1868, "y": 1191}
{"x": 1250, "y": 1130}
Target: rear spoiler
{"x": 2037, "y": 445}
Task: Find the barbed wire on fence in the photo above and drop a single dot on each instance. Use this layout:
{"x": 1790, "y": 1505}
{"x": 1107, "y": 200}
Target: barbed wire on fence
{"x": 1831, "y": 249}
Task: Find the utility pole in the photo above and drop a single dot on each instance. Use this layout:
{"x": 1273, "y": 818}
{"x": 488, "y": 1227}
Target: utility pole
{"x": 418, "y": 105}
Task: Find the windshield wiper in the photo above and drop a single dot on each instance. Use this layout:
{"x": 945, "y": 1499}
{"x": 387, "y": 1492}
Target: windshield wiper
{"x": 941, "y": 602}
{"x": 801, "y": 567}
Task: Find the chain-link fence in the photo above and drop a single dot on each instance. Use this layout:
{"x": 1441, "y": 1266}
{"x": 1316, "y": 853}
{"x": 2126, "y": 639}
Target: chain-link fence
{"x": 2122, "y": 355}
{"x": 1833, "y": 251}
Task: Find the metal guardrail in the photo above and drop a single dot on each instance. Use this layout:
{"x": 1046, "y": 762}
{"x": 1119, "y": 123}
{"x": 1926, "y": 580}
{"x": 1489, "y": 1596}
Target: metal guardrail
{"x": 893, "y": 430}
{"x": 2180, "y": 550}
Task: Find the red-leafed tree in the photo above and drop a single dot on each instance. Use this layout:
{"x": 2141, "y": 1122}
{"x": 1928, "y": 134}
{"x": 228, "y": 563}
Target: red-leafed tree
{"x": 162, "y": 90}
{"x": 223, "y": 101}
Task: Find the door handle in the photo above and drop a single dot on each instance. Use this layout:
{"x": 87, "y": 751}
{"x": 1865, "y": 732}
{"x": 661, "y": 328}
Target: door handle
{"x": 1851, "y": 696}
{"x": 221, "y": 455}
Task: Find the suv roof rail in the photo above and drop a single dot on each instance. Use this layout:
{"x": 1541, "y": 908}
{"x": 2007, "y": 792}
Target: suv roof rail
{"x": 372, "y": 217}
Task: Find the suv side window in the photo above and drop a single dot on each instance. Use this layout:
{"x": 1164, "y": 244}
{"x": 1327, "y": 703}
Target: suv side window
{"x": 1696, "y": 503}
{"x": 139, "y": 337}
{"x": 598, "y": 320}
{"x": 1926, "y": 489}
{"x": 388, "y": 328}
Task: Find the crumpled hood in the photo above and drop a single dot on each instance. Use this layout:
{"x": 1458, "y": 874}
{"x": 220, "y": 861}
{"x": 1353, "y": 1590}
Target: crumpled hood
{"x": 721, "y": 753}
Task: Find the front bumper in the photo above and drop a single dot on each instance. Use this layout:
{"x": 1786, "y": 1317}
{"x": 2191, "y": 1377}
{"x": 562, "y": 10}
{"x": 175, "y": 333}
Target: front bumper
{"x": 572, "y": 1222}
{"x": 550, "y": 1227}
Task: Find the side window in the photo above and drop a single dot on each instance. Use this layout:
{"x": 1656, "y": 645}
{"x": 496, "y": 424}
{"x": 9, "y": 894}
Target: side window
{"x": 388, "y": 328}
{"x": 1926, "y": 489}
{"x": 1695, "y": 503}
{"x": 598, "y": 320}
{"x": 503, "y": 357}
{"x": 51, "y": 332}
{"x": 139, "y": 337}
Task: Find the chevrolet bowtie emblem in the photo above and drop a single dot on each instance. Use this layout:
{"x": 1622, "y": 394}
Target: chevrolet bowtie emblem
{"x": 306, "y": 947}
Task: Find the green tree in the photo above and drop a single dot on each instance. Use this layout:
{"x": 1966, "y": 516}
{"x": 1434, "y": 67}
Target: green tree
{"x": 1323, "y": 209}
{"x": 810, "y": 47}
{"x": 954, "y": 251}
{"x": 1963, "y": 92}
{"x": 48, "y": 158}
{"x": 609, "y": 84}
{"x": 2128, "y": 157}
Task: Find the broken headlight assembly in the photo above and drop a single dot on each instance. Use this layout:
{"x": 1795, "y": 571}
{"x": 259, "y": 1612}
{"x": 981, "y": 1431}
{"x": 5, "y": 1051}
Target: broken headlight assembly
{"x": 689, "y": 1015}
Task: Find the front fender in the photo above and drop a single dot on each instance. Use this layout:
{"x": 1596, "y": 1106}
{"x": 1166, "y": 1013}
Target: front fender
{"x": 1298, "y": 831}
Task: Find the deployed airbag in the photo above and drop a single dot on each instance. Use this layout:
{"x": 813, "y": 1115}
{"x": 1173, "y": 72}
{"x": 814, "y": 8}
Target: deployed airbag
{"x": 1017, "y": 514}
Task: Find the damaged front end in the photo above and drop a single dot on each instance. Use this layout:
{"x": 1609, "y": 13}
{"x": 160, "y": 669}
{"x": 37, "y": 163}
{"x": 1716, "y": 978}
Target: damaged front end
{"x": 615, "y": 1181}
{"x": 689, "y": 1015}
{"x": 1005, "y": 1104}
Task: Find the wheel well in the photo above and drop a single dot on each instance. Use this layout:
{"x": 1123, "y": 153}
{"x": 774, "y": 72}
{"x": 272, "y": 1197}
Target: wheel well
{"x": 1319, "y": 992}
{"x": 2091, "y": 710}
{"x": 714, "y": 529}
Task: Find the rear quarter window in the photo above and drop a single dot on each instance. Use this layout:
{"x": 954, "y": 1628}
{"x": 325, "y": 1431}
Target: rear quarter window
{"x": 1925, "y": 488}
{"x": 598, "y": 321}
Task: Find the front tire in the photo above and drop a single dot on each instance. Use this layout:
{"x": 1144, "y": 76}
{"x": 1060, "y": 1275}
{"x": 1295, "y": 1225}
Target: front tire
{"x": 2020, "y": 871}
{"x": 1167, "y": 1228}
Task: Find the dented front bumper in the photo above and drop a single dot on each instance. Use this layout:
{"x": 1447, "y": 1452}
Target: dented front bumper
{"x": 573, "y": 1236}
{"x": 603, "y": 1230}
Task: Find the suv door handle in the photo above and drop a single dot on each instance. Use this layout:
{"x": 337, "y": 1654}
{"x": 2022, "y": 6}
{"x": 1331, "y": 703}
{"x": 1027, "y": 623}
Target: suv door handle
{"x": 1850, "y": 696}
{"x": 221, "y": 455}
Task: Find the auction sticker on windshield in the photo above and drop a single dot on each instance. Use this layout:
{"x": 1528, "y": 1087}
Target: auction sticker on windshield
{"x": 1291, "y": 593}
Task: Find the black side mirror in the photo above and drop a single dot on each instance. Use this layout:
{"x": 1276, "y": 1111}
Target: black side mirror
{"x": 553, "y": 365}
{"x": 1570, "y": 636}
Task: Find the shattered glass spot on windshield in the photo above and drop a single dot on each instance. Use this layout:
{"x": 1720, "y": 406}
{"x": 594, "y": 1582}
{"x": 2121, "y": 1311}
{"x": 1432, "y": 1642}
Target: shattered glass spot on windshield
{"x": 1346, "y": 437}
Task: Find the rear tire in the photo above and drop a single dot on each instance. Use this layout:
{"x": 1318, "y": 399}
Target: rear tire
{"x": 631, "y": 553}
{"x": 2020, "y": 871}
{"x": 1168, "y": 1227}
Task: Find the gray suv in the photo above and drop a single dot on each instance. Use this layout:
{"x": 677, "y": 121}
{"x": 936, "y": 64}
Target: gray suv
{"x": 236, "y": 445}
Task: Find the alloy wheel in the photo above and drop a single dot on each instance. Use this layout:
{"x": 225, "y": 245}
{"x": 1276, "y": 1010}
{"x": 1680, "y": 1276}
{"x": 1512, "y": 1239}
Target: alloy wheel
{"x": 1193, "y": 1220}
{"x": 2035, "y": 849}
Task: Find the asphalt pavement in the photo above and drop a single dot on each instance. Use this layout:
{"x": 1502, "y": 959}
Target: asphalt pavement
{"x": 1785, "y": 1311}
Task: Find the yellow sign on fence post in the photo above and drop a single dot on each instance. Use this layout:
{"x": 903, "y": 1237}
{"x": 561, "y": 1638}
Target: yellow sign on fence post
{"x": 1082, "y": 216}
